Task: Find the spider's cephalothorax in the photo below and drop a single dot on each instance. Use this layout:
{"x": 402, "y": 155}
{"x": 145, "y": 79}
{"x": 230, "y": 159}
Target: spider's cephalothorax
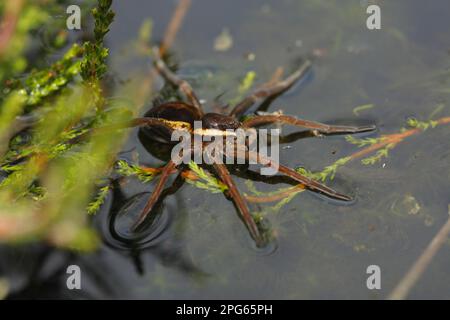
{"x": 159, "y": 123}
{"x": 220, "y": 122}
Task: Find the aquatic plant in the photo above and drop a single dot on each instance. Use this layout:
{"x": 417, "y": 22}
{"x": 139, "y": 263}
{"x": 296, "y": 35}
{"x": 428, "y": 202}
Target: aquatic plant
{"x": 48, "y": 176}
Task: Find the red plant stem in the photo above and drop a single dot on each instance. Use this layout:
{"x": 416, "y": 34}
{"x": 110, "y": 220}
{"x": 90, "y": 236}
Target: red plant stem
{"x": 174, "y": 25}
{"x": 168, "y": 39}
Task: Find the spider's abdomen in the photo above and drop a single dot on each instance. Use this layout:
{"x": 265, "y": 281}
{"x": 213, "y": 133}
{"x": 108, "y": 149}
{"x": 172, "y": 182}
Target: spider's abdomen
{"x": 175, "y": 111}
{"x": 172, "y": 111}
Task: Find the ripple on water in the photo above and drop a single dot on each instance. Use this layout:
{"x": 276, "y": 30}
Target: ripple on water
{"x": 118, "y": 227}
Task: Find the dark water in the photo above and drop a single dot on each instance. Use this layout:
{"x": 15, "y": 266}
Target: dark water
{"x": 198, "y": 248}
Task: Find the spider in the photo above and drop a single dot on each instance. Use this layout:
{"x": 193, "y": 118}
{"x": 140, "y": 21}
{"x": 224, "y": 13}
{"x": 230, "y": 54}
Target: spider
{"x": 161, "y": 120}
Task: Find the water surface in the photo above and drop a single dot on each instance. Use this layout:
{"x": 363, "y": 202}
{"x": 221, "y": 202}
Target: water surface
{"x": 198, "y": 247}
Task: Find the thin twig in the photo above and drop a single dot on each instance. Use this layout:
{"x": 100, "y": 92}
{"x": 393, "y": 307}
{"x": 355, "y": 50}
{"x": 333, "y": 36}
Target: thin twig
{"x": 174, "y": 25}
{"x": 169, "y": 36}
{"x": 402, "y": 290}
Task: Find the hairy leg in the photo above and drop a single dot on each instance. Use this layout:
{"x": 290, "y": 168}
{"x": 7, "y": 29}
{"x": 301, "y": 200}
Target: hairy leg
{"x": 270, "y": 91}
{"x": 171, "y": 77}
{"x": 168, "y": 168}
{"x": 308, "y": 182}
{"x": 239, "y": 201}
{"x": 316, "y": 127}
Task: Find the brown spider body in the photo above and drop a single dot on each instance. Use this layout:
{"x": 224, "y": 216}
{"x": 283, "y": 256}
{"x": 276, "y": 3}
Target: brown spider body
{"x": 159, "y": 123}
{"x": 176, "y": 112}
{"x": 171, "y": 111}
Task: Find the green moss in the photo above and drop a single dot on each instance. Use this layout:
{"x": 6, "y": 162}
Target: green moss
{"x": 53, "y": 169}
{"x": 133, "y": 170}
{"x": 206, "y": 181}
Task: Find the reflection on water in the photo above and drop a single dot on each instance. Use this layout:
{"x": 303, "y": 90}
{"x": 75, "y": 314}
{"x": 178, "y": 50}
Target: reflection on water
{"x": 197, "y": 247}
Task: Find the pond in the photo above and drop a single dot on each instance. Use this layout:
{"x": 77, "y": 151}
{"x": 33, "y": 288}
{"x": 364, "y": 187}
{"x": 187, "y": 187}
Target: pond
{"x": 198, "y": 248}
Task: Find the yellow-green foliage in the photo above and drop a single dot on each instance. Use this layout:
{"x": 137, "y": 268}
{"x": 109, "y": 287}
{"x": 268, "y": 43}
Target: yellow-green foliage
{"x": 414, "y": 123}
{"x": 49, "y": 176}
{"x": 244, "y": 86}
{"x": 130, "y": 170}
{"x": 206, "y": 181}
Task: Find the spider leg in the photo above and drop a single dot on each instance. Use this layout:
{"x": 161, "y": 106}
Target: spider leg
{"x": 269, "y": 91}
{"x": 171, "y": 77}
{"x": 137, "y": 122}
{"x": 295, "y": 136}
{"x": 176, "y": 185}
{"x": 239, "y": 201}
{"x": 309, "y": 183}
{"x": 316, "y": 127}
{"x": 156, "y": 194}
